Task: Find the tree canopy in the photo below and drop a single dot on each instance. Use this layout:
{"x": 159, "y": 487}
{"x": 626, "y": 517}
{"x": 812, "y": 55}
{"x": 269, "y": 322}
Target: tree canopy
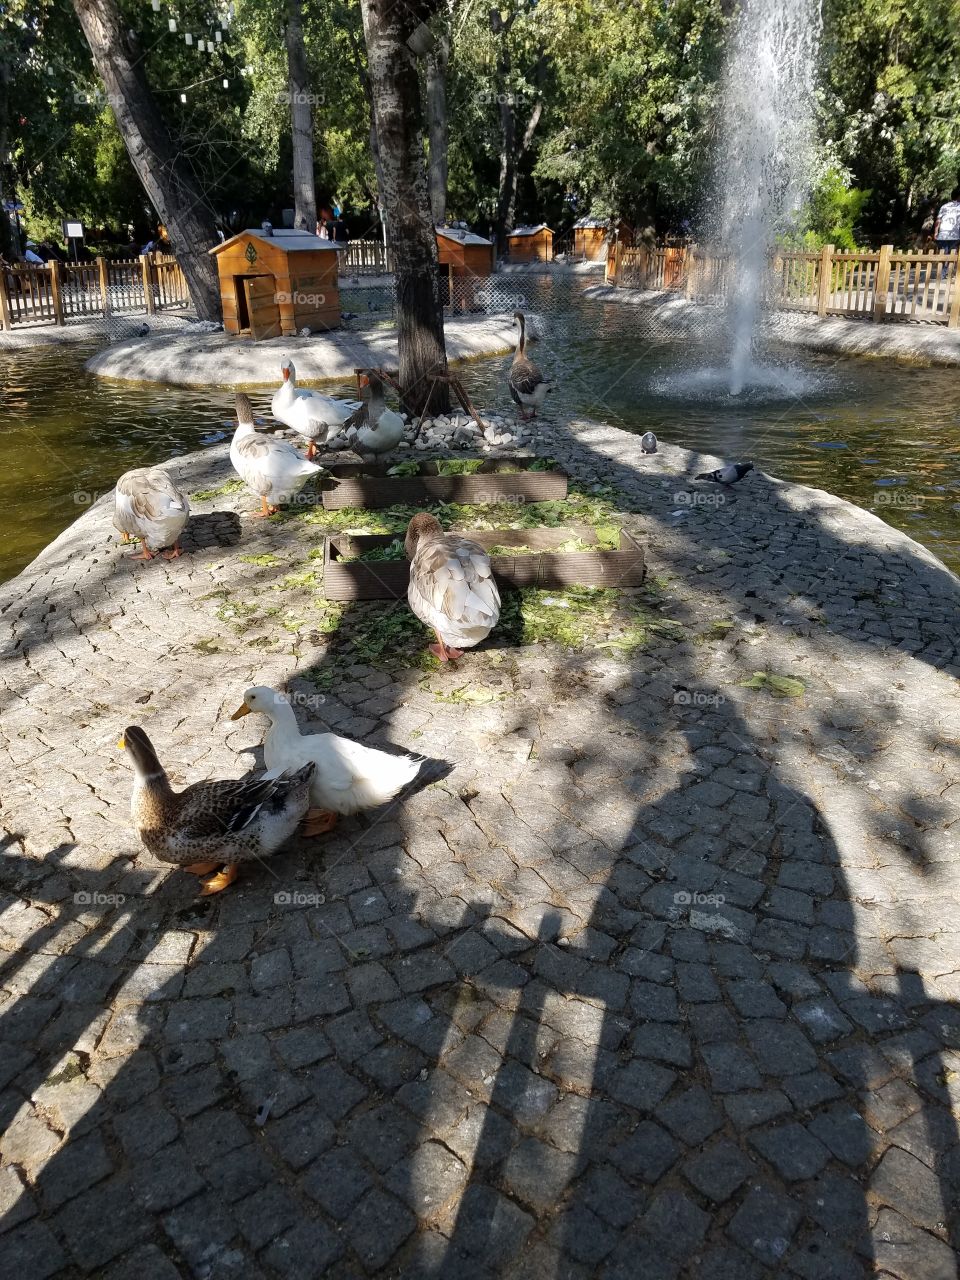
{"x": 555, "y": 108}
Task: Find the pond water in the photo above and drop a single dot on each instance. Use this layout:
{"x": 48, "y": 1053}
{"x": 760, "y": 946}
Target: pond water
{"x": 884, "y": 435}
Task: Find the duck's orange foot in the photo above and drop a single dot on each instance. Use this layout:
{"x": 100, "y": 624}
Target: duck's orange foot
{"x": 175, "y": 551}
{"x": 145, "y": 554}
{"x": 202, "y": 868}
{"x": 318, "y": 822}
{"x": 219, "y": 882}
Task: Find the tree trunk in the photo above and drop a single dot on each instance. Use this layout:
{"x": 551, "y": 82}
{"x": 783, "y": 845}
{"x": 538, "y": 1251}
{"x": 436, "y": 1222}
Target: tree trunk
{"x": 301, "y": 121}
{"x": 166, "y": 180}
{"x": 399, "y": 120}
{"x": 437, "y": 61}
{"x": 507, "y": 184}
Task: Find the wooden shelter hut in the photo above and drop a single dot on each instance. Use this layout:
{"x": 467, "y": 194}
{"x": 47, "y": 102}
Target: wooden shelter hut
{"x": 592, "y": 237}
{"x": 277, "y": 281}
{"x": 464, "y": 257}
{"x": 530, "y": 244}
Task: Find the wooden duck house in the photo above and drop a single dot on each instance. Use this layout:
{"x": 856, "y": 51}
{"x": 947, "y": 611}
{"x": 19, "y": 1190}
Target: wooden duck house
{"x": 464, "y": 252}
{"x": 277, "y": 281}
{"x": 592, "y": 237}
{"x": 530, "y": 244}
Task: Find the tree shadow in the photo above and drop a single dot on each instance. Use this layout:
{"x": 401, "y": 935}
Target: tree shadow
{"x": 505, "y": 1029}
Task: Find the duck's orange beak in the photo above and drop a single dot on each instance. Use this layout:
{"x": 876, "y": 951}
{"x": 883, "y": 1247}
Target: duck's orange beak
{"x": 122, "y": 743}
{"x": 286, "y": 374}
{"x": 242, "y": 710}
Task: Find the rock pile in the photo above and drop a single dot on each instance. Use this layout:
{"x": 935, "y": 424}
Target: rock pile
{"x": 456, "y": 430}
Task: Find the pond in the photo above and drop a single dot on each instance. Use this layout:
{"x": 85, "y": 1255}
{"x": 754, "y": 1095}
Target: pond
{"x": 883, "y": 435}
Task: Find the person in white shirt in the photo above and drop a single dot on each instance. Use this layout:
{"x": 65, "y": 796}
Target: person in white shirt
{"x": 946, "y": 229}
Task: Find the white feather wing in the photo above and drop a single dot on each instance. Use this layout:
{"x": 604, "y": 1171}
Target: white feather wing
{"x": 452, "y": 588}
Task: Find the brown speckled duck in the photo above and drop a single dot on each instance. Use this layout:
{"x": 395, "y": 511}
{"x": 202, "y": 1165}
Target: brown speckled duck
{"x": 212, "y": 826}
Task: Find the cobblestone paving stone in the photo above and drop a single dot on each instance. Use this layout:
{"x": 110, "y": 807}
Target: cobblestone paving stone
{"x": 660, "y": 980}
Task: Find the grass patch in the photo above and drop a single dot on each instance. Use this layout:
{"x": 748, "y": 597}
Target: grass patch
{"x": 231, "y": 486}
{"x": 265, "y": 560}
{"x": 577, "y": 508}
{"x": 779, "y": 686}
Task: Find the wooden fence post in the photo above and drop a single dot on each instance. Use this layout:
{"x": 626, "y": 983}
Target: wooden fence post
{"x": 148, "y": 284}
{"x": 826, "y": 279}
{"x": 5, "y": 321}
{"x": 881, "y": 283}
{"x": 689, "y": 266}
{"x": 104, "y": 284}
{"x": 610, "y": 275}
{"x": 56, "y": 293}
{"x": 953, "y": 320}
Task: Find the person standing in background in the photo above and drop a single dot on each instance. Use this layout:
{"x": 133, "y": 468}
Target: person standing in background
{"x": 946, "y": 229}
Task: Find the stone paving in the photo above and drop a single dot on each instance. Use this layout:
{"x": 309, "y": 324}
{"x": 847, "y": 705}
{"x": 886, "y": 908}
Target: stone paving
{"x": 660, "y": 980}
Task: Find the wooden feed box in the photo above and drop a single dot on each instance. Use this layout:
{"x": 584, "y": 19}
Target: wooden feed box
{"x": 368, "y": 484}
{"x": 530, "y": 244}
{"x": 389, "y": 579}
{"x": 591, "y": 237}
{"x": 274, "y": 284}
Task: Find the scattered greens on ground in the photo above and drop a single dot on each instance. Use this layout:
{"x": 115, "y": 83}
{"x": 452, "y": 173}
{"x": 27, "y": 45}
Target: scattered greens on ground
{"x": 779, "y": 686}
{"x": 392, "y": 551}
{"x": 231, "y": 486}
{"x": 410, "y": 468}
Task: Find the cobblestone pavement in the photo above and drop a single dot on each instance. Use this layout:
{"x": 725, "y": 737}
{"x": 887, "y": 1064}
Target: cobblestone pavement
{"x": 660, "y": 980}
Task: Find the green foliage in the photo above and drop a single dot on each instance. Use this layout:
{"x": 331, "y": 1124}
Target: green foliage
{"x": 834, "y": 213}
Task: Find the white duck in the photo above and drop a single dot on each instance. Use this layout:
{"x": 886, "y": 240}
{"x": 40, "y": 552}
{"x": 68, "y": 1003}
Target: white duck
{"x": 149, "y": 506}
{"x": 379, "y": 429}
{"x": 273, "y": 469}
{"x": 452, "y": 588}
{"x": 348, "y": 776}
{"x": 309, "y": 413}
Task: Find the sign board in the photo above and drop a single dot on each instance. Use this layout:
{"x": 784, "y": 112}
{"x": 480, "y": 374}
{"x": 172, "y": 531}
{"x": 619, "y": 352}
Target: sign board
{"x": 73, "y": 230}
{"x": 13, "y": 206}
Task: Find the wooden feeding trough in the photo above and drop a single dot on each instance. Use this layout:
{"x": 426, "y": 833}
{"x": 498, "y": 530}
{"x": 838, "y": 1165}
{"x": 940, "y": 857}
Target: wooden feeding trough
{"x": 593, "y": 236}
{"x": 276, "y": 282}
{"x": 535, "y": 566}
{"x": 530, "y": 244}
{"x": 496, "y": 480}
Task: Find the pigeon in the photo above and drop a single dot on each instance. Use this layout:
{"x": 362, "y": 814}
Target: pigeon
{"x": 648, "y": 442}
{"x": 729, "y": 474}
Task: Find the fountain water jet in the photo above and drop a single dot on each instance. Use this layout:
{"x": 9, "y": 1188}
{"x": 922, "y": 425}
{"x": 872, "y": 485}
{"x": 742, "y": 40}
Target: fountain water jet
{"x": 765, "y": 158}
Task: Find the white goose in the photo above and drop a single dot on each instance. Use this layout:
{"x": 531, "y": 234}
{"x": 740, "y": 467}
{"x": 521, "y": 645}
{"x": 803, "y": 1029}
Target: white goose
{"x": 309, "y": 413}
{"x": 149, "y": 506}
{"x": 347, "y": 776}
{"x": 273, "y": 469}
{"x": 452, "y": 588}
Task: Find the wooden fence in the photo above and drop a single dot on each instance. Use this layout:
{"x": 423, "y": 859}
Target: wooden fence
{"x": 64, "y": 291}
{"x": 885, "y": 284}
{"x": 365, "y": 258}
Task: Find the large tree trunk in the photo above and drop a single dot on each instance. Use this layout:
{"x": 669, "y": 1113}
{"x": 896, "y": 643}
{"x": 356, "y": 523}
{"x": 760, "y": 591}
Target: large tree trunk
{"x": 437, "y": 61}
{"x": 398, "y": 116}
{"x": 168, "y": 184}
{"x": 511, "y": 151}
{"x": 301, "y": 121}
